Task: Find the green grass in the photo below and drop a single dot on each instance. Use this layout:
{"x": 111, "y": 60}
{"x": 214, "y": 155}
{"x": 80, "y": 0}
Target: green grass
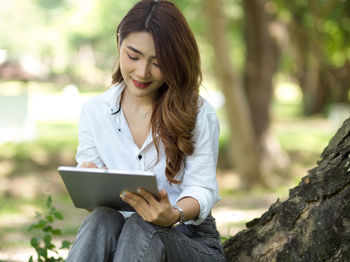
{"x": 286, "y": 110}
{"x": 13, "y": 205}
{"x": 299, "y": 136}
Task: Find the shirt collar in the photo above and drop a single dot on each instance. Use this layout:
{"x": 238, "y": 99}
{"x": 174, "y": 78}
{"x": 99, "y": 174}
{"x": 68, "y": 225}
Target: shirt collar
{"x": 113, "y": 96}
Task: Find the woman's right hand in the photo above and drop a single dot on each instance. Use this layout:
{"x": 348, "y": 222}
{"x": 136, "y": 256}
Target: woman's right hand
{"x": 90, "y": 165}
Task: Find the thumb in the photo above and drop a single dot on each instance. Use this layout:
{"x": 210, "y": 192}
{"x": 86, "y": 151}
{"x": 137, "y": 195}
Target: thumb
{"x": 163, "y": 196}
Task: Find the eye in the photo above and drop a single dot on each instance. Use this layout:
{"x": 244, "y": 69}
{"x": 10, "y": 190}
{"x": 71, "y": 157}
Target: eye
{"x": 132, "y": 58}
{"x": 155, "y": 62}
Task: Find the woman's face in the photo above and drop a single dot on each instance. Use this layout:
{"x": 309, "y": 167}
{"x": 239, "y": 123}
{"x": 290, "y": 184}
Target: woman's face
{"x": 139, "y": 65}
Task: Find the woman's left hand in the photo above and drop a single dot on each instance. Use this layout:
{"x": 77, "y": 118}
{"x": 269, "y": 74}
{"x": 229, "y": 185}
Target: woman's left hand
{"x": 158, "y": 212}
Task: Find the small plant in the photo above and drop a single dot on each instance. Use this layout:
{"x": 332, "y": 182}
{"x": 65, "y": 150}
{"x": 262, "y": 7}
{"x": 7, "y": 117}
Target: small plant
{"x": 42, "y": 242}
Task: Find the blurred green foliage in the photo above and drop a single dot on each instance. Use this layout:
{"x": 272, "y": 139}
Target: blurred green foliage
{"x": 42, "y": 242}
{"x": 56, "y": 145}
{"x": 326, "y": 24}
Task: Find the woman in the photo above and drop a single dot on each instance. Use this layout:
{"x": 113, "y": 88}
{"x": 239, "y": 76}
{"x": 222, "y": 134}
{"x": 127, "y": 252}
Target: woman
{"x": 152, "y": 118}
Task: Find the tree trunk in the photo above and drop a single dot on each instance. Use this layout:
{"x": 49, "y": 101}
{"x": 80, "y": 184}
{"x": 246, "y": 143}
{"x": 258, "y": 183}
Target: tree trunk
{"x": 336, "y": 81}
{"x": 308, "y": 54}
{"x": 261, "y": 65}
{"x": 245, "y": 152}
{"x": 313, "y": 224}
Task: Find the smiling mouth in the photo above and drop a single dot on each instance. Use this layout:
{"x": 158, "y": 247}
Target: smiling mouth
{"x": 140, "y": 84}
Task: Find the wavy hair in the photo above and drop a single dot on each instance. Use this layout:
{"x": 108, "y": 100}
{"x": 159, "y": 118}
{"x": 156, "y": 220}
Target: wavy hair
{"x": 176, "y": 103}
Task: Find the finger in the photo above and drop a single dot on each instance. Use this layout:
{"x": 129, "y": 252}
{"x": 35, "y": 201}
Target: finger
{"x": 88, "y": 165}
{"x": 139, "y": 204}
{"x": 148, "y": 196}
{"x": 134, "y": 200}
{"x": 163, "y": 196}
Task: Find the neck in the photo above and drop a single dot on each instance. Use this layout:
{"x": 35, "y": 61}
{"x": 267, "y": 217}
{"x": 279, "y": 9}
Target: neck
{"x": 138, "y": 102}
{"x": 140, "y": 107}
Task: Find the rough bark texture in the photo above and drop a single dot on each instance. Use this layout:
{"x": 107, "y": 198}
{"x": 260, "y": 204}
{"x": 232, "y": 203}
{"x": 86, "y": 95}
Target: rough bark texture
{"x": 313, "y": 224}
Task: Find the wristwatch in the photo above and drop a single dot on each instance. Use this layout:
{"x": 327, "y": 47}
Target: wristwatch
{"x": 181, "y": 218}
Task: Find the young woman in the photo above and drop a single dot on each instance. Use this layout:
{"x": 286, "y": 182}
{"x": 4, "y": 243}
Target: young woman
{"x": 152, "y": 118}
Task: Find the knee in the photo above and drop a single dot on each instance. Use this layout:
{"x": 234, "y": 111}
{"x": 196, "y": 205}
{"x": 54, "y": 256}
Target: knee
{"x": 135, "y": 222}
{"x": 106, "y": 217}
{"x": 135, "y": 225}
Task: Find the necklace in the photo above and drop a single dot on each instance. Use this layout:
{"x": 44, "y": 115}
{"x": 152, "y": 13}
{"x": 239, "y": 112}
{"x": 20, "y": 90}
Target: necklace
{"x": 143, "y": 115}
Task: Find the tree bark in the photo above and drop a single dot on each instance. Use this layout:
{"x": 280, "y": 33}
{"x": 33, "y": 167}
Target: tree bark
{"x": 313, "y": 224}
{"x": 245, "y": 152}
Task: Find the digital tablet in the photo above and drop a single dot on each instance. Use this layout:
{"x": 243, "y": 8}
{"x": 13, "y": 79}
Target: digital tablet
{"x": 91, "y": 187}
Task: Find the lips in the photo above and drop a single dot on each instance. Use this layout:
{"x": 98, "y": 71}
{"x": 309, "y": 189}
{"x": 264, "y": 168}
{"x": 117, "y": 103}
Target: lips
{"x": 141, "y": 84}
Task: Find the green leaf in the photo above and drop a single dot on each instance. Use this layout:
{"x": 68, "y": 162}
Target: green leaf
{"x": 47, "y": 229}
{"x": 66, "y": 244}
{"x": 30, "y": 259}
{"x": 47, "y": 240}
{"x": 51, "y": 247}
{"x": 49, "y": 218}
{"x": 58, "y": 215}
{"x": 34, "y": 242}
{"x": 42, "y": 223}
{"x": 42, "y": 252}
{"x": 56, "y": 232}
{"x": 48, "y": 201}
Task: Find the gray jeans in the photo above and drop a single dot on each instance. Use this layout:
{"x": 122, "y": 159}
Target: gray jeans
{"x": 105, "y": 235}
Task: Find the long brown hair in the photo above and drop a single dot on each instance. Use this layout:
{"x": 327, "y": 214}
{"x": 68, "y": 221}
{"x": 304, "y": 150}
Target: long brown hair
{"x": 176, "y": 104}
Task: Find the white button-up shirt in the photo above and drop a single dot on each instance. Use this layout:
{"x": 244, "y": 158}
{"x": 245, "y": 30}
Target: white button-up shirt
{"x": 106, "y": 140}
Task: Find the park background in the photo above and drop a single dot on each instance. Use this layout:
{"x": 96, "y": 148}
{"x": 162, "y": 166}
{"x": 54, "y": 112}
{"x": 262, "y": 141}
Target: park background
{"x": 276, "y": 71}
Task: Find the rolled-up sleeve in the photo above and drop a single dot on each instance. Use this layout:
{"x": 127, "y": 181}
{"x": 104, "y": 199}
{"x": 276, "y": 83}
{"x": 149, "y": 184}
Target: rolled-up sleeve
{"x": 199, "y": 176}
{"x": 87, "y": 151}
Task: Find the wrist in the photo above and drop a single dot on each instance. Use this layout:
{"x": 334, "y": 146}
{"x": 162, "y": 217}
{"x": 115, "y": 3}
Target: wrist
{"x": 180, "y": 216}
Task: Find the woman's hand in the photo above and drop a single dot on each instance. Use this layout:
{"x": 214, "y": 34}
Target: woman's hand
{"x": 90, "y": 165}
{"x": 158, "y": 212}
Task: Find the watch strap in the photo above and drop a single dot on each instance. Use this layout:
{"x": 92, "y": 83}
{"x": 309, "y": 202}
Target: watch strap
{"x": 181, "y": 218}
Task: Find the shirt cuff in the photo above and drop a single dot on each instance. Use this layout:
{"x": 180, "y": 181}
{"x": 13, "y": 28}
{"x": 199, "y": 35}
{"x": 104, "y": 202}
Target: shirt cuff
{"x": 205, "y": 198}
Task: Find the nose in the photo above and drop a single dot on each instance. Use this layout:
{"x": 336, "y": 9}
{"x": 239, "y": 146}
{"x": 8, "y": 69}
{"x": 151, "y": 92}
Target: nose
{"x": 143, "y": 70}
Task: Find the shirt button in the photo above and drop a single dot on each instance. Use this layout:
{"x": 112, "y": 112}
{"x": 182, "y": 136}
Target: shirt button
{"x": 119, "y": 130}
{"x": 140, "y": 157}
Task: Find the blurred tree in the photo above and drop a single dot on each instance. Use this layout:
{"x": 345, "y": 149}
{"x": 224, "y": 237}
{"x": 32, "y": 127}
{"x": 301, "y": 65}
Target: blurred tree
{"x": 320, "y": 38}
{"x": 262, "y": 54}
{"x": 263, "y": 39}
{"x": 245, "y": 153}
{"x": 247, "y": 103}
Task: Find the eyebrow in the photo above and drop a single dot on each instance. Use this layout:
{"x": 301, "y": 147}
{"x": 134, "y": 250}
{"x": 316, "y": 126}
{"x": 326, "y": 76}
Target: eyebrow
{"x": 138, "y": 51}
